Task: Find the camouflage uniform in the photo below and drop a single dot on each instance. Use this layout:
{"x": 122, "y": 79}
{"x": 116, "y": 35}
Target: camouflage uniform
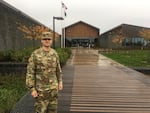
{"x": 43, "y": 75}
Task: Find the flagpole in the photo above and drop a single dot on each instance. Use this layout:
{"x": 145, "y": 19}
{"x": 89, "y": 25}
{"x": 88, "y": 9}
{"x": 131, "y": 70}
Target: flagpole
{"x": 63, "y": 10}
{"x": 64, "y": 35}
{"x": 61, "y": 41}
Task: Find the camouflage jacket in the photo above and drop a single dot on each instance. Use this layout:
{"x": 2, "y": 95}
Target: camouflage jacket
{"x": 43, "y": 70}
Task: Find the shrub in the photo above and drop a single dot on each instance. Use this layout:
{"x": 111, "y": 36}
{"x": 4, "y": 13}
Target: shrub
{"x": 6, "y": 55}
{"x": 12, "y": 88}
{"x": 64, "y": 54}
{"x": 24, "y": 54}
{"x": 15, "y": 55}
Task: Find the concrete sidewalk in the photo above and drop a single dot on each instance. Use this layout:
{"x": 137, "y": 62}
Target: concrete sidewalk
{"x": 96, "y": 84}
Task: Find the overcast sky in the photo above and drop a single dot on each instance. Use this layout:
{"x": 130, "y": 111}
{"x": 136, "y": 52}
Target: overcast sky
{"x": 103, "y": 14}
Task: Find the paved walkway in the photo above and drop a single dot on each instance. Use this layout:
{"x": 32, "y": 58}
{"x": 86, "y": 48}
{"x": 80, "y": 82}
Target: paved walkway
{"x": 96, "y": 84}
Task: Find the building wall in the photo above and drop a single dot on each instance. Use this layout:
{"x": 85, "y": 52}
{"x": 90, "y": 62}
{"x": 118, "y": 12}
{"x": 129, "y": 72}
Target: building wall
{"x": 10, "y": 36}
{"x": 81, "y": 34}
{"x": 81, "y": 30}
{"x": 128, "y": 32}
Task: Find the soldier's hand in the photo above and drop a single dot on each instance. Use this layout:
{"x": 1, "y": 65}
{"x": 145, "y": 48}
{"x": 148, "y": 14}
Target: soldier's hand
{"x": 34, "y": 93}
{"x": 60, "y": 86}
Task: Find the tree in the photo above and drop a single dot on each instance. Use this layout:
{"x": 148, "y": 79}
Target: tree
{"x": 145, "y": 33}
{"x": 32, "y": 32}
{"x": 118, "y": 37}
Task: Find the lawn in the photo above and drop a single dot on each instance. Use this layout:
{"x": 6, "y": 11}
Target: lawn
{"x": 130, "y": 58}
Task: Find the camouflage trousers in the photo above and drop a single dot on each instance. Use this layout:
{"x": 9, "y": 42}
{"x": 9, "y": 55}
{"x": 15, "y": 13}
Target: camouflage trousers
{"x": 46, "y": 102}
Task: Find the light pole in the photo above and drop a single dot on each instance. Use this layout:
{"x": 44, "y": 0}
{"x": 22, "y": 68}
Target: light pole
{"x": 57, "y": 18}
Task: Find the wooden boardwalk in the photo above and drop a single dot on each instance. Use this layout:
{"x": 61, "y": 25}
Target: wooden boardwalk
{"x": 96, "y": 84}
{"x": 103, "y": 86}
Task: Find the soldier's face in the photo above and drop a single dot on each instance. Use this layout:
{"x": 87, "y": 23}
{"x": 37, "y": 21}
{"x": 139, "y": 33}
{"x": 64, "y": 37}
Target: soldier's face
{"x": 46, "y": 42}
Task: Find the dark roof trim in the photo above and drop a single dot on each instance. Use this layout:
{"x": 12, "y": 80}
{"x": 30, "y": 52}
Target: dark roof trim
{"x": 83, "y": 23}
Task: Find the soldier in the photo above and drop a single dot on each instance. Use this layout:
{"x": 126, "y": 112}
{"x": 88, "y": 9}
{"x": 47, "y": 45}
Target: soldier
{"x": 44, "y": 76}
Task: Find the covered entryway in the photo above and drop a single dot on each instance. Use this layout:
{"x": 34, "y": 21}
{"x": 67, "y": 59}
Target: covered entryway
{"x": 85, "y": 42}
{"x": 81, "y": 34}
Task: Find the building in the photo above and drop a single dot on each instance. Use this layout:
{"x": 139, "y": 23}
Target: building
{"x": 81, "y": 34}
{"x": 10, "y": 36}
{"x": 123, "y": 36}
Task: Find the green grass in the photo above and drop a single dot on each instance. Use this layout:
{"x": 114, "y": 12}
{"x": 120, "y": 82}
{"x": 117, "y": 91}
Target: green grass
{"x": 131, "y": 58}
{"x": 12, "y": 88}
